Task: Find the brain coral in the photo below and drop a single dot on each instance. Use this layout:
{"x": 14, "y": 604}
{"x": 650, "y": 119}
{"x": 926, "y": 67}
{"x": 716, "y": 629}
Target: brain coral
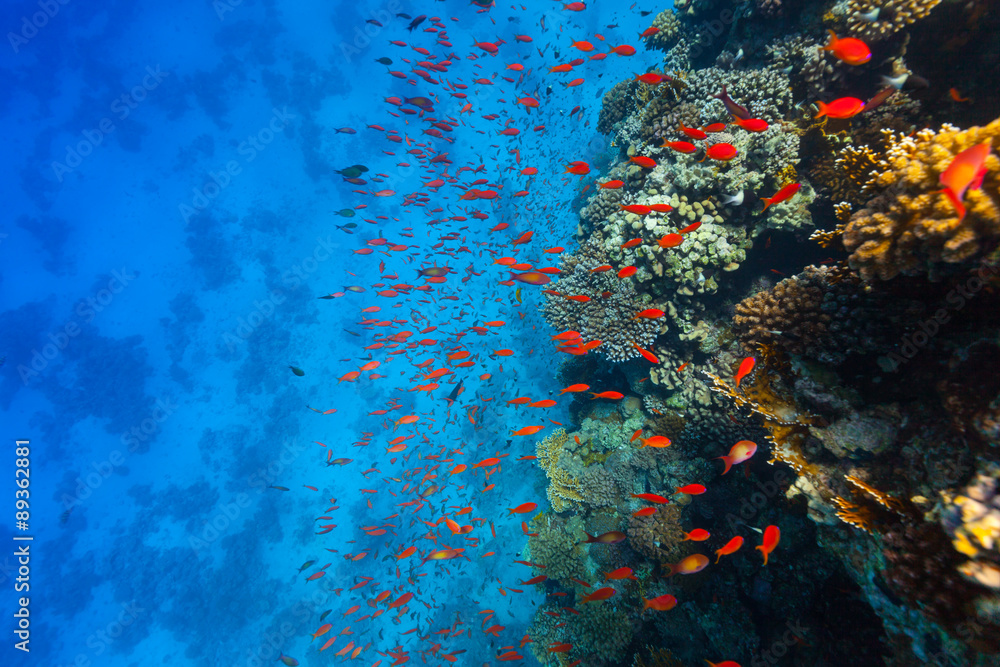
{"x": 912, "y": 228}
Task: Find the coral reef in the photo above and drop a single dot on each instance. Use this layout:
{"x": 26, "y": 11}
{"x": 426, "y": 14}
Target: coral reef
{"x": 891, "y": 16}
{"x": 911, "y": 228}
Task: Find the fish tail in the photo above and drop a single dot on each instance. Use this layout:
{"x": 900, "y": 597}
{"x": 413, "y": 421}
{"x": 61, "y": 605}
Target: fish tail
{"x": 822, "y": 109}
{"x": 728, "y": 461}
{"x": 833, "y": 40}
{"x": 767, "y": 202}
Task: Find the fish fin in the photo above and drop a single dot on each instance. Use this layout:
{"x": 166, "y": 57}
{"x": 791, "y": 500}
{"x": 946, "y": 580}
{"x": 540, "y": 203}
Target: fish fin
{"x": 728, "y": 461}
{"x": 767, "y": 202}
{"x": 833, "y": 40}
{"x": 822, "y": 109}
{"x": 955, "y": 201}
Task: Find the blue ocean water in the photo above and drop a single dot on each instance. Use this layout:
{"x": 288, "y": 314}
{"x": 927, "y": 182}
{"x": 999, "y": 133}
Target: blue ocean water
{"x": 172, "y": 219}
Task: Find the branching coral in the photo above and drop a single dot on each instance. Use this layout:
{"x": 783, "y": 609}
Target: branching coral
{"x": 564, "y": 489}
{"x": 912, "y": 228}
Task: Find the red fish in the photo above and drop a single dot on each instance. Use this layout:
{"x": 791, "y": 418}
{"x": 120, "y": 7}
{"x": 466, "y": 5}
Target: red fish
{"x": 752, "y": 124}
{"x": 619, "y": 574}
{"x": 722, "y": 152}
{"x": 627, "y": 271}
{"x": 785, "y": 193}
{"x": 651, "y": 78}
{"x": 662, "y": 603}
{"x": 697, "y": 535}
{"x": 731, "y": 547}
{"x": 690, "y": 565}
{"x": 740, "y": 452}
{"x": 691, "y": 489}
{"x": 657, "y": 441}
{"x": 692, "y": 132}
{"x": 745, "y": 367}
{"x": 966, "y": 171}
{"x": 611, "y": 395}
{"x": 649, "y": 314}
{"x": 772, "y": 535}
{"x": 680, "y": 146}
{"x": 651, "y": 497}
{"x": 715, "y": 127}
{"x": 599, "y": 594}
{"x": 611, "y": 537}
{"x": 643, "y": 161}
{"x": 670, "y": 240}
{"x": 848, "y": 49}
{"x": 575, "y": 388}
{"x": 623, "y": 50}
{"x": 522, "y": 508}
{"x": 843, "y": 107}
{"x": 611, "y": 185}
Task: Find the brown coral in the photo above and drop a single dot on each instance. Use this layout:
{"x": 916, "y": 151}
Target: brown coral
{"x": 912, "y": 228}
{"x": 822, "y": 313}
{"x": 659, "y": 536}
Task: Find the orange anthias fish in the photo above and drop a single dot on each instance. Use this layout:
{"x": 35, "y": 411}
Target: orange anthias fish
{"x": 645, "y": 511}
{"x": 691, "y": 489}
{"x": 697, "y": 535}
{"x": 745, "y": 367}
{"x": 690, "y": 565}
{"x": 610, "y": 395}
{"x": 575, "y": 388}
{"x": 772, "y": 535}
{"x": 657, "y": 441}
{"x": 724, "y": 663}
{"x": 611, "y": 185}
{"x": 578, "y": 168}
{"x": 966, "y": 172}
{"x": 848, "y": 49}
{"x": 620, "y": 573}
{"x": 844, "y": 107}
{"x": 651, "y": 497}
{"x": 752, "y": 124}
{"x": 692, "y": 132}
{"x": 680, "y": 146}
{"x": 528, "y": 430}
{"x": 643, "y": 161}
{"x": 522, "y": 508}
{"x": 721, "y": 152}
{"x": 661, "y": 603}
{"x": 731, "y": 547}
{"x": 598, "y": 595}
{"x": 670, "y": 240}
{"x": 739, "y": 453}
{"x": 785, "y": 193}
{"x": 651, "y": 78}
{"x": 649, "y": 313}
{"x": 612, "y": 537}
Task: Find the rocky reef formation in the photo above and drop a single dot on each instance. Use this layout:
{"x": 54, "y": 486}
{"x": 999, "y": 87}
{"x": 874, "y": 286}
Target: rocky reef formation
{"x": 873, "y": 396}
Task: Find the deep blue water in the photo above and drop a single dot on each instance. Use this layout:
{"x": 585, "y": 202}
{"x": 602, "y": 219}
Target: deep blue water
{"x": 171, "y": 220}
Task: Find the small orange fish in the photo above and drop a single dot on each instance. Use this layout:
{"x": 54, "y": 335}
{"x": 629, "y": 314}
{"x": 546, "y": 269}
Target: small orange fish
{"x": 772, "y": 535}
{"x": 966, "y": 171}
{"x": 611, "y": 537}
{"x": 670, "y": 240}
{"x": 649, "y": 313}
{"x": 611, "y": 185}
{"x": 661, "y": 603}
{"x": 745, "y": 367}
{"x": 848, "y": 49}
{"x": 657, "y": 441}
{"x": 598, "y": 595}
{"x": 611, "y": 395}
{"x": 651, "y": 497}
{"x": 786, "y": 192}
{"x": 690, "y": 565}
{"x": 575, "y": 388}
{"x": 620, "y": 573}
{"x": 697, "y": 535}
{"x": 528, "y": 430}
{"x": 643, "y": 161}
{"x": 739, "y": 453}
{"x": 522, "y": 508}
{"x": 691, "y": 489}
{"x": 731, "y": 547}
{"x": 645, "y": 511}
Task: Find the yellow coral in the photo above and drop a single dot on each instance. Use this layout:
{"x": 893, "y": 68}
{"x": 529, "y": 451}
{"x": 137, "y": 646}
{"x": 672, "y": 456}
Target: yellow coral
{"x": 911, "y": 226}
{"x": 892, "y": 16}
{"x": 564, "y": 489}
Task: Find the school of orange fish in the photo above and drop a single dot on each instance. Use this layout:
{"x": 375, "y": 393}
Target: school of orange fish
{"x": 438, "y": 489}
